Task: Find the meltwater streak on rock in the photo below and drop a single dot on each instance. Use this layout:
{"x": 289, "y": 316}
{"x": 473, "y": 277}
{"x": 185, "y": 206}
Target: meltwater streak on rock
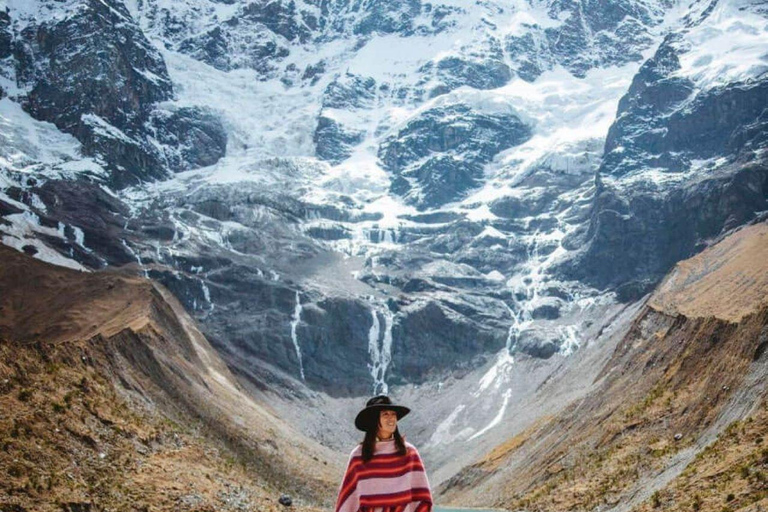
{"x": 533, "y": 283}
{"x": 381, "y": 355}
{"x": 521, "y": 321}
{"x": 386, "y": 346}
{"x": 373, "y": 347}
{"x": 525, "y": 295}
{"x": 522, "y": 317}
{"x": 294, "y": 338}
{"x": 569, "y": 335}
{"x": 504, "y": 360}
{"x": 211, "y": 305}
{"x": 136, "y": 255}
{"x": 497, "y": 419}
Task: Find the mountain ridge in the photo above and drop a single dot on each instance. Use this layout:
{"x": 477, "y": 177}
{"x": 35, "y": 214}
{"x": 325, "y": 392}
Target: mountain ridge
{"x": 142, "y": 349}
{"x": 673, "y": 385}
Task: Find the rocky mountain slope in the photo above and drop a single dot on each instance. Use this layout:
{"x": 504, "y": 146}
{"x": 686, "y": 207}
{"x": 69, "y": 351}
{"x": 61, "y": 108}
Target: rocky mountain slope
{"x": 684, "y": 391}
{"x": 112, "y": 399}
{"x": 461, "y": 203}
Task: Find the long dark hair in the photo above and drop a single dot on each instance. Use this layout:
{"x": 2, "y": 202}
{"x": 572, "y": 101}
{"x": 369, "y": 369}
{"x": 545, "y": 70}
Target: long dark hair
{"x": 369, "y": 442}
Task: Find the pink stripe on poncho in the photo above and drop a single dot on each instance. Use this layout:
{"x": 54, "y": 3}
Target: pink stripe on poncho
{"x": 387, "y": 483}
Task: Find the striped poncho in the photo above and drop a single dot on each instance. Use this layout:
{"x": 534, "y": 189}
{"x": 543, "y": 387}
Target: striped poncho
{"x": 387, "y": 483}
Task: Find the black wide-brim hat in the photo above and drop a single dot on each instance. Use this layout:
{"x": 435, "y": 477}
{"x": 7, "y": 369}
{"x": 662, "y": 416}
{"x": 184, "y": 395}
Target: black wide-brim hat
{"x": 368, "y": 418}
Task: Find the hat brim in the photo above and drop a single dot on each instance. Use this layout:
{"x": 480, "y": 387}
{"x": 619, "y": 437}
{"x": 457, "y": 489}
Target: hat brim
{"x": 369, "y": 417}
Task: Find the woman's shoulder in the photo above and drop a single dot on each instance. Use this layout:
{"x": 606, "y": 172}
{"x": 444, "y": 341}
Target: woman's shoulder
{"x": 357, "y": 451}
{"x": 410, "y": 447}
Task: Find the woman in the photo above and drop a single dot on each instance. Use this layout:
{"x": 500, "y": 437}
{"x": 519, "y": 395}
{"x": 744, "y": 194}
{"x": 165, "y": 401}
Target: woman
{"x": 385, "y": 473}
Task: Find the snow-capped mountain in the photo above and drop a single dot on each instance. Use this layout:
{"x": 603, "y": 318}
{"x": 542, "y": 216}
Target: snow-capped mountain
{"x": 354, "y": 195}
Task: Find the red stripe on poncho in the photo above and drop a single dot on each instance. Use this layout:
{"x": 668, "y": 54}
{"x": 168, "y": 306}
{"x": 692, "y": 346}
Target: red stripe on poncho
{"x": 387, "y": 483}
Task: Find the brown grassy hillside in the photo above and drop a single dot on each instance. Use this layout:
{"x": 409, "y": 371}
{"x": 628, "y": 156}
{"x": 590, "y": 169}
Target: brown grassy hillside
{"x": 729, "y": 475}
{"x": 111, "y": 399}
{"x": 692, "y": 364}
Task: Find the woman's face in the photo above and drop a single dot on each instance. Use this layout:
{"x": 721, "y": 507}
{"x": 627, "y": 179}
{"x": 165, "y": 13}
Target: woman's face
{"x": 387, "y": 423}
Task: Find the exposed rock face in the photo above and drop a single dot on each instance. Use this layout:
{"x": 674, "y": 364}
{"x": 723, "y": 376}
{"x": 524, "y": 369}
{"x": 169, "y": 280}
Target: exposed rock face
{"x": 481, "y": 67}
{"x": 117, "y": 75}
{"x": 221, "y": 45}
{"x": 333, "y": 142}
{"x": 594, "y": 34}
{"x": 653, "y": 229}
{"x": 249, "y": 306}
{"x": 259, "y": 35}
{"x": 664, "y": 122}
{"x": 676, "y": 122}
{"x": 615, "y": 32}
{"x": 452, "y": 333}
{"x": 191, "y": 137}
{"x": 98, "y": 216}
{"x": 539, "y": 343}
{"x": 5, "y": 35}
{"x": 103, "y": 89}
{"x": 282, "y": 18}
{"x": 99, "y": 88}
{"x": 530, "y": 54}
{"x": 327, "y": 328}
{"x": 252, "y": 323}
{"x": 349, "y": 91}
{"x": 388, "y": 17}
{"x": 402, "y": 17}
{"x": 439, "y": 156}
{"x": 5, "y": 48}
{"x": 249, "y": 35}
{"x": 670, "y": 124}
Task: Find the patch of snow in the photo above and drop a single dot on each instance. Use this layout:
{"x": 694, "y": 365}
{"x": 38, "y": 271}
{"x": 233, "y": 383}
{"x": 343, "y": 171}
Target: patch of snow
{"x": 481, "y": 213}
{"x": 23, "y": 230}
{"x": 570, "y": 119}
{"x": 105, "y": 129}
{"x": 442, "y": 433}
{"x": 25, "y": 143}
{"x": 729, "y": 45}
{"x": 497, "y": 419}
{"x": 495, "y": 275}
